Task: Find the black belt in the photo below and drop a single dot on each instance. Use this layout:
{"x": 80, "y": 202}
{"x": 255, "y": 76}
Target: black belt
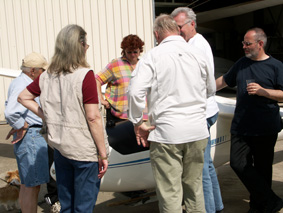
{"x": 35, "y": 126}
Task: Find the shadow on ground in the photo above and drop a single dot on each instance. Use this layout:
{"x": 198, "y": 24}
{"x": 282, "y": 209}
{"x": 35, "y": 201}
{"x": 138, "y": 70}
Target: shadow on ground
{"x": 7, "y": 150}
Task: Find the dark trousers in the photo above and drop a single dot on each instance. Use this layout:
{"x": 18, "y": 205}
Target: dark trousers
{"x": 78, "y": 184}
{"x": 251, "y": 159}
{"x": 51, "y": 186}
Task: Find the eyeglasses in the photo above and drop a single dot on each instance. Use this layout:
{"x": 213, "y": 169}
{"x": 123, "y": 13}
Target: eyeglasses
{"x": 130, "y": 52}
{"x": 40, "y": 69}
{"x": 245, "y": 43}
{"x": 181, "y": 26}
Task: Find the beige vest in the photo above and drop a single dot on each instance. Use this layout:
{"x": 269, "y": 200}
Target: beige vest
{"x": 62, "y": 104}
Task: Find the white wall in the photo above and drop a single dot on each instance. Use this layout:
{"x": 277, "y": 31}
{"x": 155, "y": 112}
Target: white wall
{"x": 32, "y": 25}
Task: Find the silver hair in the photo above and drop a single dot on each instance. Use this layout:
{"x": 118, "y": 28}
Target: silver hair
{"x": 259, "y": 35}
{"x": 70, "y": 50}
{"x": 190, "y": 14}
{"x": 26, "y": 69}
{"x": 165, "y": 24}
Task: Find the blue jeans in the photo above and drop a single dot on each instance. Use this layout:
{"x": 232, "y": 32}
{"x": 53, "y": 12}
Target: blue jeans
{"x": 211, "y": 189}
{"x": 32, "y": 158}
{"x": 78, "y": 184}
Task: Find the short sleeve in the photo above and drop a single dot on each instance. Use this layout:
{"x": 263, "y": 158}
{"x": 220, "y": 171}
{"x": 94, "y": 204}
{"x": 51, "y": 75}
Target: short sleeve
{"x": 89, "y": 89}
{"x": 34, "y": 88}
{"x": 279, "y": 80}
{"x": 106, "y": 75}
{"x": 230, "y": 77}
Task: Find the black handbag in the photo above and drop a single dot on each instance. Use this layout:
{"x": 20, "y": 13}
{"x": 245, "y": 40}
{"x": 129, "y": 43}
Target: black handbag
{"x": 110, "y": 119}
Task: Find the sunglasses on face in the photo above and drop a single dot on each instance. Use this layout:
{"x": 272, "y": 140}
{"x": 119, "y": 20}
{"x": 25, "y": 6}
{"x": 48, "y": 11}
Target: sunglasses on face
{"x": 130, "y": 52}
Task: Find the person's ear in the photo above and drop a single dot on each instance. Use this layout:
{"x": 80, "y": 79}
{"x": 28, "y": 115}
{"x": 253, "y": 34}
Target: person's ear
{"x": 32, "y": 71}
{"x": 179, "y": 30}
{"x": 156, "y": 35}
{"x": 260, "y": 43}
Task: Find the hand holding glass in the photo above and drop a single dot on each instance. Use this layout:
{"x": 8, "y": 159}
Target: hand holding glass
{"x": 250, "y": 81}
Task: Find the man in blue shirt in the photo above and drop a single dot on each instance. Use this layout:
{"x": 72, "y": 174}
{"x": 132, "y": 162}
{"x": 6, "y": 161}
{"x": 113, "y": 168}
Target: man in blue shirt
{"x": 30, "y": 148}
{"x": 257, "y": 119}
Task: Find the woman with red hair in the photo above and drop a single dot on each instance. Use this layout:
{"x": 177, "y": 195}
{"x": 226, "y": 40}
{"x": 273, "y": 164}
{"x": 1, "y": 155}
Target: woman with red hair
{"x": 117, "y": 75}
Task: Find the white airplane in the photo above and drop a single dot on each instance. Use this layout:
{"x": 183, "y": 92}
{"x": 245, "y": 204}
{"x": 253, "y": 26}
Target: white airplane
{"x": 132, "y": 171}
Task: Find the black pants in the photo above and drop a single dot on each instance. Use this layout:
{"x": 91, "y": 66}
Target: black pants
{"x": 51, "y": 186}
{"x": 251, "y": 159}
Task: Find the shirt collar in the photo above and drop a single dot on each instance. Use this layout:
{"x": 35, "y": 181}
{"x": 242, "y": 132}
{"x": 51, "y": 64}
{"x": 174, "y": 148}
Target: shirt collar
{"x": 173, "y": 38}
{"x": 125, "y": 59}
{"x": 26, "y": 77}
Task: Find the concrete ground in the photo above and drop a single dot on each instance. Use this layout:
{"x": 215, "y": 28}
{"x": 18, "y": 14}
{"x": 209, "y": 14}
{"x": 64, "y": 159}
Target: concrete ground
{"x": 235, "y": 196}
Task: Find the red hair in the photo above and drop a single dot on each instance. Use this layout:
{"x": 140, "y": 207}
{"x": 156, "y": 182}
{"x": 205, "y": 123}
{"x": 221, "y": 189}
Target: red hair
{"x": 131, "y": 42}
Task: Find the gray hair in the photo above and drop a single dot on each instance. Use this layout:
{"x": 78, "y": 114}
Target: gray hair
{"x": 190, "y": 14}
{"x": 259, "y": 35}
{"x": 165, "y": 24}
{"x": 69, "y": 50}
{"x": 26, "y": 69}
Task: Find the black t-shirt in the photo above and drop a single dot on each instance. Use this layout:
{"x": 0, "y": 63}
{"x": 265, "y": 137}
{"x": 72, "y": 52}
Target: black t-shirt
{"x": 255, "y": 115}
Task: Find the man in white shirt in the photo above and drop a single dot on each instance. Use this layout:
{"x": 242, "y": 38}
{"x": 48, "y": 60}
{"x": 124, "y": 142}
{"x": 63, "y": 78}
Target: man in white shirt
{"x": 186, "y": 20}
{"x": 176, "y": 101}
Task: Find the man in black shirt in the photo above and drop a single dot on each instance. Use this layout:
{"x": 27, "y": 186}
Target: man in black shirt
{"x": 257, "y": 119}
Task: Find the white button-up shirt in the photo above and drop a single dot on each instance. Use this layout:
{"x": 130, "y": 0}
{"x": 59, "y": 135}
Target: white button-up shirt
{"x": 201, "y": 43}
{"x": 176, "y": 81}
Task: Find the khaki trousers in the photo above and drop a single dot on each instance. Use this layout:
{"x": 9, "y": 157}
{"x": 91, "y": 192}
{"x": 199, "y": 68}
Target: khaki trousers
{"x": 177, "y": 169}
